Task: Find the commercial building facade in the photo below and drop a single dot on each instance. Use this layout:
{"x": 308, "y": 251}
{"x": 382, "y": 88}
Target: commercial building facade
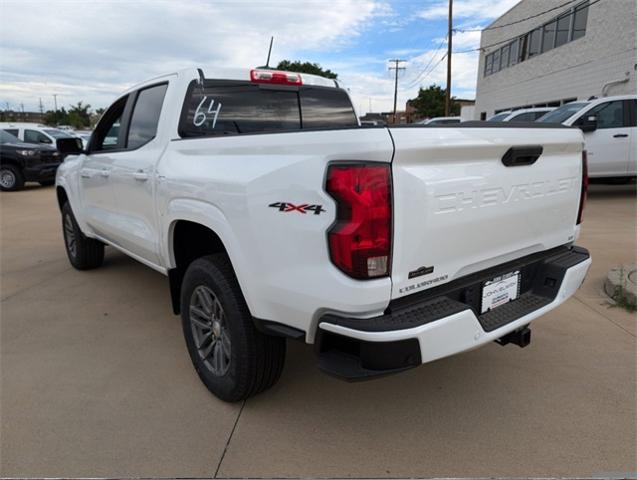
{"x": 551, "y": 52}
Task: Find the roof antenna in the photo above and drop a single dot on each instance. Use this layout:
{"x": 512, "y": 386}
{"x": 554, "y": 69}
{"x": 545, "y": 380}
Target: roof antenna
{"x": 267, "y": 64}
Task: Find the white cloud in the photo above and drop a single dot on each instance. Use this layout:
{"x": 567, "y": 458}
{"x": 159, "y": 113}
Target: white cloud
{"x": 92, "y": 50}
{"x": 475, "y": 9}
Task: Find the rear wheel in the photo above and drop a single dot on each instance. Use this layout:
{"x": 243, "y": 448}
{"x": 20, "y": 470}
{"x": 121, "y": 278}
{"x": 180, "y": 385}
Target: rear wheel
{"x": 84, "y": 253}
{"x": 233, "y": 359}
{"x": 11, "y": 178}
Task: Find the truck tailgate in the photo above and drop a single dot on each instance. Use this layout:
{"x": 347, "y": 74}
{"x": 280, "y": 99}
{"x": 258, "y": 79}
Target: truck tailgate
{"x": 459, "y": 209}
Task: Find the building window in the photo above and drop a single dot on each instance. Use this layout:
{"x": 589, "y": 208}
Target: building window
{"x": 563, "y": 28}
{"x": 548, "y": 38}
{"x": 514, "y": 52}
{"x": 504, "y": 56}
{"x": 579, "y": 22}
{"x": 496, "y": 61}
{"x": 558, "y": 31}
{"x": 535, "y": 41}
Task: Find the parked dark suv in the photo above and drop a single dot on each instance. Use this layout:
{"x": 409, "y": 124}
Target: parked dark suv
{"x": 25, "y": 162}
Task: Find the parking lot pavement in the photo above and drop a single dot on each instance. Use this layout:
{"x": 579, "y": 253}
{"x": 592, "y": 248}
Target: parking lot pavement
{"x": 95, "y": 381}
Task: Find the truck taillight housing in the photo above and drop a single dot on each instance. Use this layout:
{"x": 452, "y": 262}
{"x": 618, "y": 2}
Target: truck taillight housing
{"x": 584, "y": 191}
{"x": 360, "y": 239}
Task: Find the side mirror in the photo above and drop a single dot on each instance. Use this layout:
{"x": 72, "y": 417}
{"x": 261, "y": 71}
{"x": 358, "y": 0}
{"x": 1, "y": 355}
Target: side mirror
{"x": 588, "y": 124}
{"x": 69, "y": 146}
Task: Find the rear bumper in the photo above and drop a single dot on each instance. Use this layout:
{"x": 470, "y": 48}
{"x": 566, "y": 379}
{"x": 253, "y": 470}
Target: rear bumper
{"x": 444, "y": 321}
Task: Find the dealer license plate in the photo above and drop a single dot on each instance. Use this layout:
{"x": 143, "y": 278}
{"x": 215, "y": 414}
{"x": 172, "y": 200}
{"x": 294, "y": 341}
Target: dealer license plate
{"x": 500, "y": 290}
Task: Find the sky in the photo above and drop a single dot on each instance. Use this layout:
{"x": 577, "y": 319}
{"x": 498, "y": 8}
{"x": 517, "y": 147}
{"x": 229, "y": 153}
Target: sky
{"x": 91, "y": 51}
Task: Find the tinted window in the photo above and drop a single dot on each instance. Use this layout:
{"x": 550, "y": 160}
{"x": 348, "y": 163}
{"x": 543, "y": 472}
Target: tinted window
{"x": 33, "y": 136}
{"x": 227, "y": 107}
{"x": 524, "y": 117}
{"x": 504, "y": 57}
{"x": 609, "y": 114}
{"x": 499, "y": 117}
{"x": 325, "y": 108}
{"x": 143, "y": 123}
{"x": 534, "y": 43}
{"x": 563, "y": 113}
{"x": 107, "y": 134}
{"x": 563, "y": 26}
{"x": 496, "y": 61}
{"x": 514, "y": 52}
{"x": 12, "y": 131}
{"x": 488, "y": 65}
{"x": 549, "y": 36}
{"x": 579, "y": 23}
{"x": 6, "y": 137}
{"x": 57, "y": 133}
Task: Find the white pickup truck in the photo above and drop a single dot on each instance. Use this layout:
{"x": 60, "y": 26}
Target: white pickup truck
{"x": 274, "y": 214}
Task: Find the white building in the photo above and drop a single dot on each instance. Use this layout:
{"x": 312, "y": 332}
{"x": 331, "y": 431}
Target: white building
{"x": 550, "y": 52}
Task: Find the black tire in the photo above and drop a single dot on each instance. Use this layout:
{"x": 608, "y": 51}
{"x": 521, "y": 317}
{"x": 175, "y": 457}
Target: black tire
{"x": 254, "y": 361}
{"x": 11, "y": 178}
{"x": 47, "y": 183}
{"x": 84, "y": 253}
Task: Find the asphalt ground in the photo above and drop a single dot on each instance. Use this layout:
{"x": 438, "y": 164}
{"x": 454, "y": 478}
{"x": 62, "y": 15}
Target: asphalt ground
{"x": 95, "y": 381}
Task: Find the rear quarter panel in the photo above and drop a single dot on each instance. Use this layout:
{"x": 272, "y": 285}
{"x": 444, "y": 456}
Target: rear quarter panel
{"x": 281, "y": 258}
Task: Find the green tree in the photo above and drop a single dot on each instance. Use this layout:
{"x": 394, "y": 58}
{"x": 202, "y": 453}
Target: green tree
{"x": 305, "y": 67}
{"x": 54, "y": 118}
{"x": 430, "y": 102}
{"x": 79, "y": 115}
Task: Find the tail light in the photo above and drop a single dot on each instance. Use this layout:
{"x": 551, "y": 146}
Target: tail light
{"x": 273, "y": 76}
{"x": 584, "y": 191}
{"x": 360, "y": 239}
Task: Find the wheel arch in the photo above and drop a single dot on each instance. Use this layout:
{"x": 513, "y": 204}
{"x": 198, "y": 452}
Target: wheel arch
{"x": 187, "y": 241}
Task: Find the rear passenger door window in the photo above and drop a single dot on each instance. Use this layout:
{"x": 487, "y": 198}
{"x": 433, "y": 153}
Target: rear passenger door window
{"x": 33, "y": 136}
{"x": 145, "y": 117}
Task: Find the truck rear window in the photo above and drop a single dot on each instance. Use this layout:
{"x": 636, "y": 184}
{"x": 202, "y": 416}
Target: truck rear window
{"x": 234, "y": 107}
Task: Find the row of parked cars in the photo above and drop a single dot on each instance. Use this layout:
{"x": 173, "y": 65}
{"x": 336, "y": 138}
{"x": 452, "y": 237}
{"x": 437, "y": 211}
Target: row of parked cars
{"x": 609, "y": 125}
{"x": 28, "y": 153}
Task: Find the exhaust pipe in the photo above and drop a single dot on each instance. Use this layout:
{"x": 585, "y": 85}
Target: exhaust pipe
{"x": 520, "y": 337}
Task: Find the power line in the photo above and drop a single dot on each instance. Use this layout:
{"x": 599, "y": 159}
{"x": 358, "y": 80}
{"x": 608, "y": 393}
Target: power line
{"x": 463, "y": 30}
{"x": 396, "y": 67}
{"x": 509, "y": 39}
{"x": 417, "y": 78}
{"x": 431, "y": 69}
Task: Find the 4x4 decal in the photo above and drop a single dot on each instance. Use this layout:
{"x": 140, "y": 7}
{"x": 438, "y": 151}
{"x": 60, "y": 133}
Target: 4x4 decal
{"x": 303, "y": 208}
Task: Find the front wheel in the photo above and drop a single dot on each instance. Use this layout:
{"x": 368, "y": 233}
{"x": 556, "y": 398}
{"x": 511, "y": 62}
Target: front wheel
{"x": 233, "y": 359}
{"x": 84, "y": 253}
{"x": 11, "y": 178}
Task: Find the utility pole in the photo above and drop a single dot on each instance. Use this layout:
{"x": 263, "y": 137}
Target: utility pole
{"x": 55, "y": 100}
{"x": 396, "y": 67}
{"x": 449, "y": 36}
{"x": 41, "y": 107}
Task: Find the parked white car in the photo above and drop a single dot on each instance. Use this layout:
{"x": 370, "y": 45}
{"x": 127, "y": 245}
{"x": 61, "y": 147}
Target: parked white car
{"x": 35, "y": 133}
{"x": 441, "y": 121}
{"x": 521, "y": 115}
{"x": 274, "y": 214}
{"x": 610, "y": 133}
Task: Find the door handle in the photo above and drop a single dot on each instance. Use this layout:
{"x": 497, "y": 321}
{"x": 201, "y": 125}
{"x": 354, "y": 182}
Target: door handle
{"x": 140, "y": 176}
{"x": 620, "y": 135}
{"x": 105, "y": 173}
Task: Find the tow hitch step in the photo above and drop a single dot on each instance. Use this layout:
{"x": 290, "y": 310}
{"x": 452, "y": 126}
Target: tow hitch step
{"x": 520, "y": 337}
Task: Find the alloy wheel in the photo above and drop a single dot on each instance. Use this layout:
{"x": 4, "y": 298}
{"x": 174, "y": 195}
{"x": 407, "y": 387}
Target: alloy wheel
{"x": 209, "y": 330}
